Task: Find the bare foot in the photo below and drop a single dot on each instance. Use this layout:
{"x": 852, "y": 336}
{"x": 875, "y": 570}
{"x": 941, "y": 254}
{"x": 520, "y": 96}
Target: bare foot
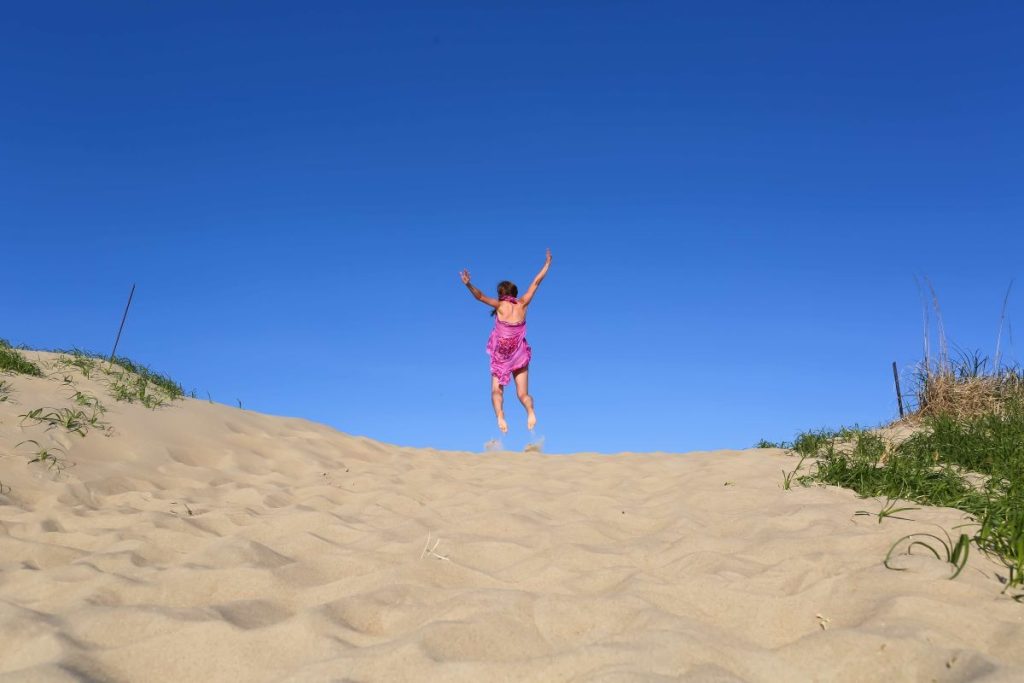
{"x": 502, "y": 425}
{"x": 531, "y": 420}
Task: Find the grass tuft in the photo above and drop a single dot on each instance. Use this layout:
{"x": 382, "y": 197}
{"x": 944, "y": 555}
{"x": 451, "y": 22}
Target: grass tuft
{"x": 89, "y": 401}
{"x": 967, "y": 386}
{"x": 11, "y": 360}
{"x": 129, "y": 381}
{"x": 160, "y": 380}
{"x": 84, "y": 361}
{"x": 72, "y": 421}
{"x": 53, "y": 457}
{"x": 888, "y": 509}
{"x": 129, "y": 387}
{"x": 953, "y": 553}
{"x": 788, "y": 477}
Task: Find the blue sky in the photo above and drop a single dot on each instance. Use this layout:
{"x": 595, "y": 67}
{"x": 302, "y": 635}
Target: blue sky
{"x": 738, "y": 196}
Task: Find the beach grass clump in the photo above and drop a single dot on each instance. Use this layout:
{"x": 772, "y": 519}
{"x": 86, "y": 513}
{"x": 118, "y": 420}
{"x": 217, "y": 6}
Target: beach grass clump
{"x": 70, "y": 420}
{"x": 953, "y": 552}
{"x": 129, "y": 387}
{"x": 813, "y": 442}
{"x": 966, "y": 386}
{"x": 872, "y": 467}
{"x": 85, "y": 361}
{"x": 129, "y": 381}
{"x": 52, "y": 457}
{"x": 148, "y": 376}
{"x": 11, "y": 360}
{"x": 88, "y": 361}
{"x": 89, "y": 401}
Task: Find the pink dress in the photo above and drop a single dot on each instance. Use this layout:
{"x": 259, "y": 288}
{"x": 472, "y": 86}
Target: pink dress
{"x": 508, "y": 348}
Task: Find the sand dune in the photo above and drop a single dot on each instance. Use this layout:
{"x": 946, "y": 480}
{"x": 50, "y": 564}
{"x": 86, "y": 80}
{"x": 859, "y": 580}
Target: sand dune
{"x": 203, "y": 542}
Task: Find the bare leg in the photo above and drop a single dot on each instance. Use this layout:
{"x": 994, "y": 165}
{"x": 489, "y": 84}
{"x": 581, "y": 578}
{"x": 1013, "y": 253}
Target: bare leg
{"x": 522, "y": 390}
{"x": 497, "y": 397}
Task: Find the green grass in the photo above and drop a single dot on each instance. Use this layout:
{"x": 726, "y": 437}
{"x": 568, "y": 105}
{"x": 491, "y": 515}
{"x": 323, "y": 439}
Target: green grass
{"x": 89, "y": 401}
{"x": 889, "y": 509}
{"x": 88, "y": 362}
{"x": 808, "y": 443}
{"x": 129, "y": 381}
{"x": 788, "y": 477}
{"x": 125, "y": 379}
{"x": 129, "y": 387}
{"x": 168, "y": 385}
{"x": 53, "y": 457}
{"x": 974, "y": 464}
{"x": 11, "y": 360}
{"x": 84, "y": 361}
{"x": 953, "y": 553}
{"x": 72, "y": 421}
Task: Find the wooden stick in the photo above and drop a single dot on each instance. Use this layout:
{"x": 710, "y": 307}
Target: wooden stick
{"x": 999, "y": 335}
{"x": 899, "y": 394}
{"x": 123, "y": 318}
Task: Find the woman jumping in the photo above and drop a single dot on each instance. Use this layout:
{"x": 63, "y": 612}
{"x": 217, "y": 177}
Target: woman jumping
{"x": 507, "y": 346}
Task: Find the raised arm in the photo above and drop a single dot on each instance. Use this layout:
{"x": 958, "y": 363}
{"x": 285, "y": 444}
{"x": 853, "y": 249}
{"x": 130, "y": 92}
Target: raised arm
{"x": 477, "y": 294}
{"x": 528, "y": 297}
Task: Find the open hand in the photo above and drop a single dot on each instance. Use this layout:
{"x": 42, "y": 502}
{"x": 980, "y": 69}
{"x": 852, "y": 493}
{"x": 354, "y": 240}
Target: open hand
{"x": 547, "y": 259}
{"x": 465, "y": 276}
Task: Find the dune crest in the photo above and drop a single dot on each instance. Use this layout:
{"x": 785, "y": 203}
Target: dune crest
{"x": 199, "y": 541}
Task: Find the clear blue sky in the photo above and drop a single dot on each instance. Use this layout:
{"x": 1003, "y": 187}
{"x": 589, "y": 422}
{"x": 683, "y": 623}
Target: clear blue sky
{"x": 738, "y": 196}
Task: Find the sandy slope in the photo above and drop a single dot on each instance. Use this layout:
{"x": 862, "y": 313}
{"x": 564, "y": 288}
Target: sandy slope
{"x": 303, "y": 560}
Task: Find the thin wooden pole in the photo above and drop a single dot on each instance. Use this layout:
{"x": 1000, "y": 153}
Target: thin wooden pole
{"x": 123, "y": 318}
{"x": 899, "y": 394}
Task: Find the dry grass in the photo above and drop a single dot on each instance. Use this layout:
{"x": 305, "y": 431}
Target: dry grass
{"x": 967, "y": 384}
{"x": 954, "y": 394}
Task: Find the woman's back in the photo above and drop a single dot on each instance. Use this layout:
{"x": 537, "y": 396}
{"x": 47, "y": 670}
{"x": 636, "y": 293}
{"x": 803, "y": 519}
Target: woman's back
{"x": 511, "y": 311}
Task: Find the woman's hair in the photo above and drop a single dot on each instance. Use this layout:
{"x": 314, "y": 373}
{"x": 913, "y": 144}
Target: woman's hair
{"x": 505, "y": 288}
